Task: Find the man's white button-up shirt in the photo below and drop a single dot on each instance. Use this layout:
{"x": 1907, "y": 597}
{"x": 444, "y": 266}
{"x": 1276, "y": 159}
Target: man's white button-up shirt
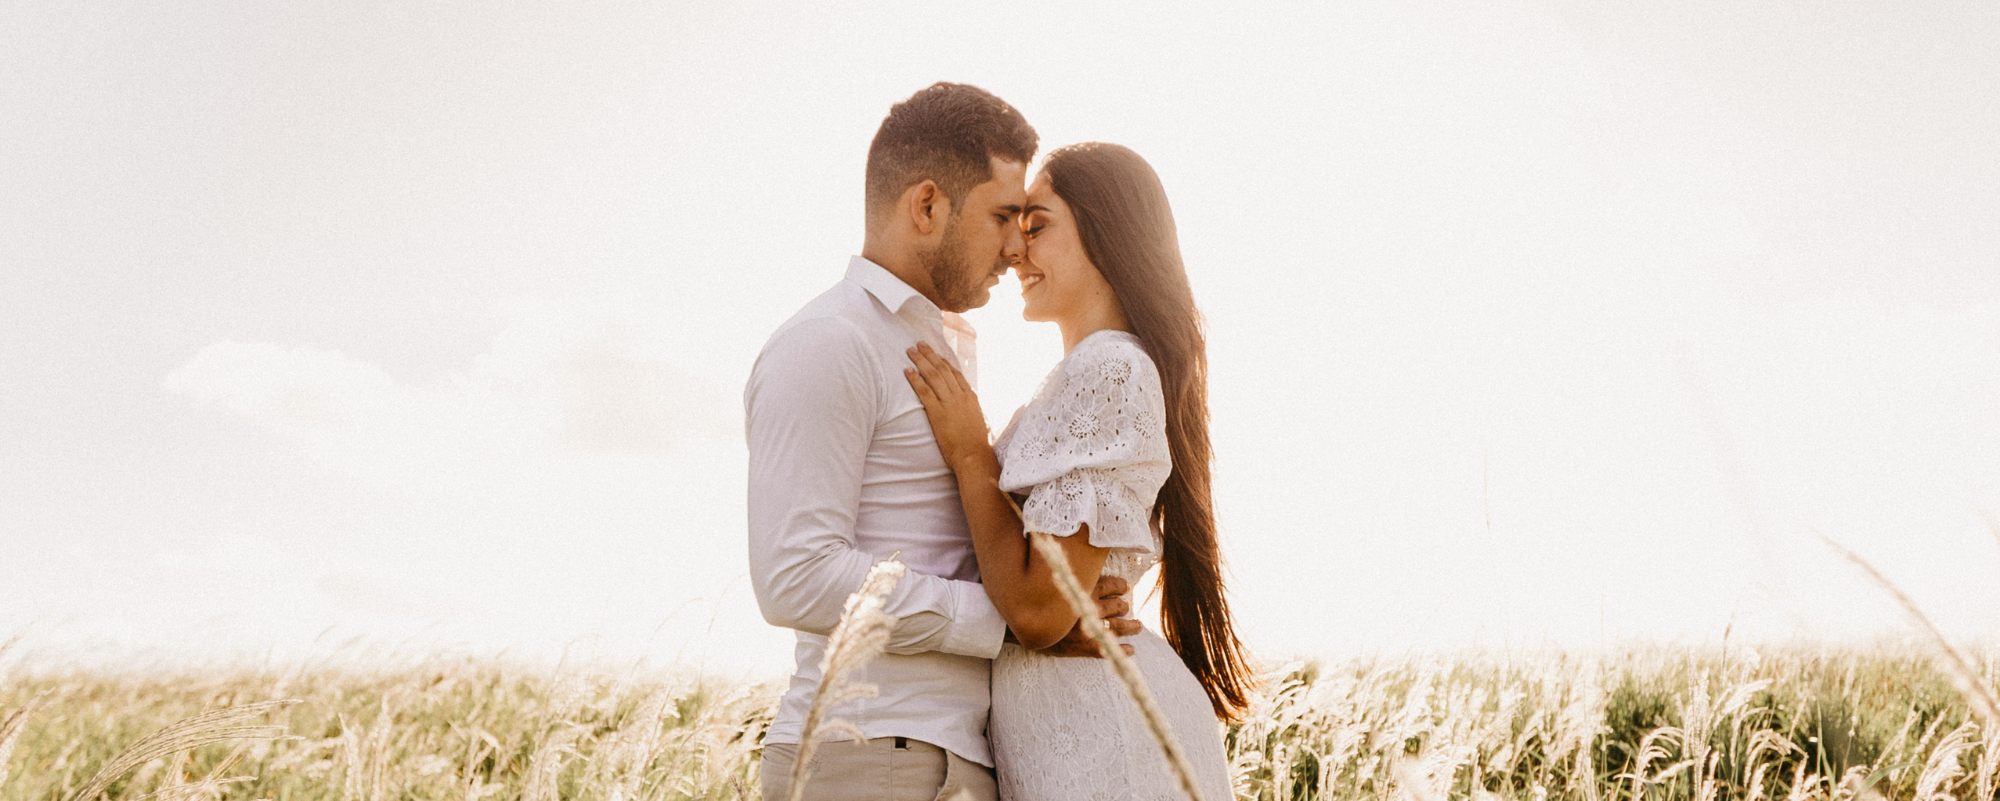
{"x": 844, "y": 471}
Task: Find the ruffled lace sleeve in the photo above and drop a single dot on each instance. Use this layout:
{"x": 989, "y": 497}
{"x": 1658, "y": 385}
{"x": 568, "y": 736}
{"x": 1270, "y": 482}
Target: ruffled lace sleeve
{"x": 1091, "y": 448}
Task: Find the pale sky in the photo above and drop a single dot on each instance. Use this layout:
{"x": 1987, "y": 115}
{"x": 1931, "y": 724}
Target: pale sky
{"x": 1533, "y": 323}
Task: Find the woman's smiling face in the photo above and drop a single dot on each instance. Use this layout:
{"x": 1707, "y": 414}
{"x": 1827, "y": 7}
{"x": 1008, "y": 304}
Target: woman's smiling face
{"x": 1058, "y": 281}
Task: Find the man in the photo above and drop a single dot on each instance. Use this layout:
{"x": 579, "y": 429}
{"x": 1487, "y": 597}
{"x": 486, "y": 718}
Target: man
{"x": 844, "y": 469}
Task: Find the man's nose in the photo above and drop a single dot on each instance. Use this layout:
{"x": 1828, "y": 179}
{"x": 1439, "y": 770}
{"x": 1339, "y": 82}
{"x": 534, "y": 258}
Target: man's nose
{"x": 1016, "y": 246}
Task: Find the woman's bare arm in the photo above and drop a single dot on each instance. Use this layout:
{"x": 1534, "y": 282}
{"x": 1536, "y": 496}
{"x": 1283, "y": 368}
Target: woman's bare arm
{"x": 1016, "y": 577}
{"x": 1018, "y": 580}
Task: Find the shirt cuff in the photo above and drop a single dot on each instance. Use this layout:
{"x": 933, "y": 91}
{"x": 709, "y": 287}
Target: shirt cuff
{"x": 976, "y": 627}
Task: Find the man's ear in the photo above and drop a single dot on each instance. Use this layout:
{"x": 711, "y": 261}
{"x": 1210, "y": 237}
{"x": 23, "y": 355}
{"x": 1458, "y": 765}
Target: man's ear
{"x": 927, "y": 206}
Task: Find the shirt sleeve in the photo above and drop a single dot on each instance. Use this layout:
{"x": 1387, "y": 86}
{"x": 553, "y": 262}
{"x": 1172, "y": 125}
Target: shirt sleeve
{"x": 1094, "y": 451}
{"x": 809, "y": 415}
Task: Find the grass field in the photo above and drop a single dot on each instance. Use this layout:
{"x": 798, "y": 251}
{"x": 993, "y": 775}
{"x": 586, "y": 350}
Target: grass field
{"x": 1653, "y": 724}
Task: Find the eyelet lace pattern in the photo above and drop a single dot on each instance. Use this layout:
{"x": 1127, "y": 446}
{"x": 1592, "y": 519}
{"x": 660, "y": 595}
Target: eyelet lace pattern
{"x": 1091, "y": 448}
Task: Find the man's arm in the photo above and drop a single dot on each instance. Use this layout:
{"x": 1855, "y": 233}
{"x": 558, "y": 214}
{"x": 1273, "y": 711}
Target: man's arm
{"x": 809, "y": 415}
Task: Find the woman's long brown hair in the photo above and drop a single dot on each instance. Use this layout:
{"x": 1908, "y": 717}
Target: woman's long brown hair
{"x": 1128, "y": 232}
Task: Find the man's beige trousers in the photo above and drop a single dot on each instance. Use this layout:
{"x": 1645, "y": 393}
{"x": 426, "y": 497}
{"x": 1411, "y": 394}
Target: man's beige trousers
{"x": 882, "y": 769}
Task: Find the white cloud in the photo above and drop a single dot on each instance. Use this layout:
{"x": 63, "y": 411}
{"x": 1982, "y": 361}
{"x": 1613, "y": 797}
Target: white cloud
{"x": 291, "y": 389}
{"x": 578, "y": 376}
{"x": 567, "y": 483}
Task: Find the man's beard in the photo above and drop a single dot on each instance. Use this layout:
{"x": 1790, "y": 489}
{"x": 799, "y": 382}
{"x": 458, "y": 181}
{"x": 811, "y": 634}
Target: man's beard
{"x": 958, "y": 287}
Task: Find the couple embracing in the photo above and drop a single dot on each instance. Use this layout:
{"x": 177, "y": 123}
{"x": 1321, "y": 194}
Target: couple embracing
{"x": 866, "y": 438}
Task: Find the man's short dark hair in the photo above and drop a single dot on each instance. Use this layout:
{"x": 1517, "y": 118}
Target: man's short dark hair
{"x": 945, "y": 132}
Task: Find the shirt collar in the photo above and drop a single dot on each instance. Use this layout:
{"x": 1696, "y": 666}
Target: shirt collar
{"x": 949, "y": 332}
{"x": 886, "y": 287}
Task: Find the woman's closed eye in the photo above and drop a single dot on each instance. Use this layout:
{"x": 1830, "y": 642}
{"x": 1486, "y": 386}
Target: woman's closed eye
{"x": 1033, "y": 230}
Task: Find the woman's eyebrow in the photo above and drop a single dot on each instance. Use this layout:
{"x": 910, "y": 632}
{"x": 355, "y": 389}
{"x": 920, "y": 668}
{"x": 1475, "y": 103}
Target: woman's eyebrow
{"x": 1032, "y": 208}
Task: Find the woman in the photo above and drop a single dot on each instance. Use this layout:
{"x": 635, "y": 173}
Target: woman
{"x": 1112, "y": 457}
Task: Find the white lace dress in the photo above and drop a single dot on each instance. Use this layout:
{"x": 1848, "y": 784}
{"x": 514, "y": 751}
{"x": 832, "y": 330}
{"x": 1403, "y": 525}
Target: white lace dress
{"x": 1091, "y": 447}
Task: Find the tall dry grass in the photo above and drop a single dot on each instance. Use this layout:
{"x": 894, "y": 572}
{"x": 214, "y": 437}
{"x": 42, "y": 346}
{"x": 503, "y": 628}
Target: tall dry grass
{"x": 861, "y": 635}
{"x": 1890, "y": 722}
{"x": 1794, "y": 723}
{"x": 457, "y": 729}
{"x": 1652, "y": 724}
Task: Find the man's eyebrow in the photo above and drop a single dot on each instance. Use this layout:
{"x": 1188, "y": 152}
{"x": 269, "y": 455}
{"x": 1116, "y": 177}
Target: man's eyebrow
{"x": 1011, "y": 209}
